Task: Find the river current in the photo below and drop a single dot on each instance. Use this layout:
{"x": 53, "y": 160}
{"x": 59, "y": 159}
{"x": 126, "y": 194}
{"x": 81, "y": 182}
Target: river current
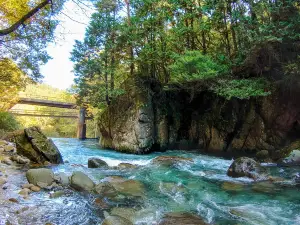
{"x": 202, "y": 188}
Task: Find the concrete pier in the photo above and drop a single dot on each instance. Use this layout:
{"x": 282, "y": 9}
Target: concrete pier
{"x": 81, "y": 129}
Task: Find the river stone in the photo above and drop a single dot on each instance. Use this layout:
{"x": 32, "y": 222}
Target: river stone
{"x": 63, "y": 179}
{"x": 293, "y": 159}
{"x": 100, "y": 202}
{"x": 180, "y": 218}
{"x": 127, "y": 213}
{"x": 130, "y": 187}
{"x": 41, "y": 175}
{"x": 25, "y": 192}
{"x": 114, "y": 179}
{"x": 96, "y": 163}
{"x": 246, "y": 167}
{"x": 123, "y": 166}
{"x": 27, "y": 185}
{"x": 81, "y": 182}
{"x": 57, "y": 194}
{"x": 170, "y": 160}
{"x": 262, "y": 155}
{"x": 231, "y": 186}
{"x": 265, "y": 187}
{"x": 2, "y": 181}
{"x": 116, "y": 220}
{"x": 43, "y": 145}
{"x": 35, "y": 188}
{"x": 105, "y": 189}
{"x": 3, "y": 142}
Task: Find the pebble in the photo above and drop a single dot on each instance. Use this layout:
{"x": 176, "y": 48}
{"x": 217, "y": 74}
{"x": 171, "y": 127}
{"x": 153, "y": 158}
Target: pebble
{"x": 13, "y": 200}
{"x": 2, "y": 181}
{"x": 57, "y": 194}
{"x": 27, "y": 186}
{"x": 25, "y": 192}
{"x": 22, "y": 210}
{"x": 35, "y": 188}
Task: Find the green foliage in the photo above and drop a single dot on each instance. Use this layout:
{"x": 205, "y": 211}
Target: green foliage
{"x": 7, "y": 123}
{"x": 194, "y": 66}
{"x": 26, "y": 46}
{"x": 242, "y": 89}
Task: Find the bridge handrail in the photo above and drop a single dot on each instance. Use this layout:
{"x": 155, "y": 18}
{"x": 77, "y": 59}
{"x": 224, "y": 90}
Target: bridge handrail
{"x": 44, "y": 112}
{"x": 39, "y": 97}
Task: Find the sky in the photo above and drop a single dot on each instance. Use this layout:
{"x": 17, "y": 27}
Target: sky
{"x": 58, "y": 71}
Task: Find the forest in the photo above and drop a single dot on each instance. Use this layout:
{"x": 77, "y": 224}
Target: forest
{"x": 230, "y": 47}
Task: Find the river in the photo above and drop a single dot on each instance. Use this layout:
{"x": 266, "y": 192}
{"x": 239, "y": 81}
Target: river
{"x": 202, "y": 188}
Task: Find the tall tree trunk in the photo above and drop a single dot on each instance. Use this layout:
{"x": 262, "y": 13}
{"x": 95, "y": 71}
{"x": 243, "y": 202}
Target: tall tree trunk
{"x": 130, "y": 45}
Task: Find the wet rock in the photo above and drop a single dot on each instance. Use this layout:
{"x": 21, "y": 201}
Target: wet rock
{"x": 231, "y": 186}
{"x": 246, "y": 167}
{"x": 62, "y": 179}
{"x": 114, "y": 179}
{"x": 57, "y": 194}
{"x": 25, "y": 192}
{"x": 130, "y": 187}
{"x": 81, "y": 182}
{"x": 116, "y": 220}
{"x": 42, "y": 184}
{"x": 123, "y": 166}
{"x": 96, "y": 163}
{"x": 35, "y": 188}
{"x": 170, "y": 160}
{"x": 105, "y": 189}
{"x": 180, "y": 218}
{"x": 127, "y": 213}
{"x": 293, "y": 159}
{"x": 101, "y": 203}
{"x": 42, "y": 175}
{"x": 172, "y": 188}
{"x": 265, "y": 187}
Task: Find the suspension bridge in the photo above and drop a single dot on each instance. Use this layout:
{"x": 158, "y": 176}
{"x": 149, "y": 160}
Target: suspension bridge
{"x": 37, "y": 100}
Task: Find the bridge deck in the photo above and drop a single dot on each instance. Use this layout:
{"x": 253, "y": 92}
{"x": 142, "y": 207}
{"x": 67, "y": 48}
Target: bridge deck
{"x": 49, "y": 103}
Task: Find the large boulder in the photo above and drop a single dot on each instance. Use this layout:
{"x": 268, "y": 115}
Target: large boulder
{"x": 81, "y": 182}
{"x": 246, "y": 167}
{"x": 41, "y": 175}
{"x": 34, "y": 145}
{"x": 130, "y": 187}
{"x": 180, "y": 218}
{"x": 96, "y": 163}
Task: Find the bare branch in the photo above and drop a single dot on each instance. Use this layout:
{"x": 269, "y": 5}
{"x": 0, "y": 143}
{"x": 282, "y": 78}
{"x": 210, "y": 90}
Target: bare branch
{"x": 15, "y": 26}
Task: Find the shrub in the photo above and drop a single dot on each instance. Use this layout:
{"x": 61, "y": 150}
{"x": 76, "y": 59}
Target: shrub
{"x": 7, "y": 123}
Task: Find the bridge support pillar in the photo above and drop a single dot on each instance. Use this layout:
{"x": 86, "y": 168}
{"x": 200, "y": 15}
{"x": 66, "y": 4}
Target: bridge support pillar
{"x": 81, "y": 129}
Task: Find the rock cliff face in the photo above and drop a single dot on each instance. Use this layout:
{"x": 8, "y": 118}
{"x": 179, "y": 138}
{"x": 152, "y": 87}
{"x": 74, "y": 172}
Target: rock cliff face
{"x": 140, "y": 122}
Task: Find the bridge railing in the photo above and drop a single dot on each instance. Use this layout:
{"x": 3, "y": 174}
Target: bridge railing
{"x": 49, "y": 98}
{"x": 45, "y": 113}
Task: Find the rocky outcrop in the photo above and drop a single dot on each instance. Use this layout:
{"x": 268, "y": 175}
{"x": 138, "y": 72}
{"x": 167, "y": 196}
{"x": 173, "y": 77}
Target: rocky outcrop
{"x": 246, "y": 167}
{"x": 34, "y": 145}
{"x": 149, "y": 118}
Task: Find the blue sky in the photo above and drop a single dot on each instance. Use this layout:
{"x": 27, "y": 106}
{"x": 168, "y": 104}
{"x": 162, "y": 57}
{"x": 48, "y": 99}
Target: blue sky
{"x": 58, "y": 71}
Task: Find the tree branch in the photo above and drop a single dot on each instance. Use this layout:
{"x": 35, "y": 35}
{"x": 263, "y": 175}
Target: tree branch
{"x": 24, "y": 18}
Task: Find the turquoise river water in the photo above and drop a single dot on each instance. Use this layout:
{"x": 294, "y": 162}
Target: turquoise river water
{"x": 202, "y": 188}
